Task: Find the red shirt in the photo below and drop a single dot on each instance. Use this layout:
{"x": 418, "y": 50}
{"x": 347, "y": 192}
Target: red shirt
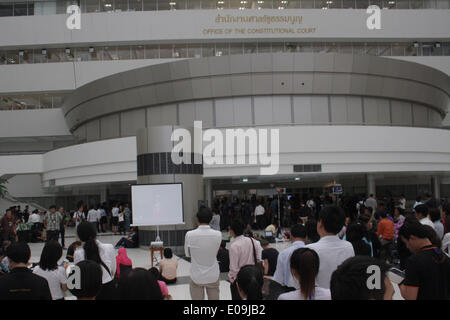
{"x": 386, "y": 229}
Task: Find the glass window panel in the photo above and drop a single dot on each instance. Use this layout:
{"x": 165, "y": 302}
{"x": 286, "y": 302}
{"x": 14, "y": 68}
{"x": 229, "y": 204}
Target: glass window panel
{"x": 193, "y": 4}
{"x": 12, "y": 57}
{"x": 347, "y": 4}
{"x": 194, "y": 50}
{"x": 150, "y": 5}
{"x": 446, "y": 48}
{"x": 362, "y": 4}
{"x": 359, "y": 48}
{"x": 389, "y": 4}
{"x": 109, "y": 53}
{"x": 39, "y": 57}
{"x": 378, "y": 3}
{"x": 292, "y": 47}
{"x": 30, "y": 8}
{"x": 58, "y": 101}
{"x": 26, "y": 57}
{"x": 135, "y": 5}
{"x": 236, "y": 48}
{"x": 417, "y": 4}
{"x": 335, "y": 4}
{"x": 106, "y": 5}
{"x": 68, "y": 55}
{"x": 82, "y": 54}
{"x": 318, "y": 47}
{"x": 137, "y": 52}
{"x": 398, "y": 49}
{"x": 264, "y": 47}
{"x": 120, "y": 5}
{"x": 402, "y": 4}
{"x": 20, "y": 9}
{"x": 303, "y": 47}
{"x": 2, "y": 57}
{"x": 264, "y": 4}
{"x": 436, "y": 51}
{"x": 96, "y": 54}
{"x": 6, "y": 10}
{"x": 222, "y": 49}
{"x": 91, "y": 6}
{"x": 60, "y": 6}
{"x": 222, "y": 4}
{"x": 180, "y": 51}
{"x": 235, "y": 4}
{"x": 250, "y": 48}
{"x": 181, "y": 5}
{"x": 277, "y": 46}
{"x": 124, "y": 53}
{"x": 208, "y": 50}
{"x": 165, "y": 4}
{"x": 372, "y": 49}
{"x": 429, "y": 4}
{"x": 319, "y": 4}
{"x": 384, "y": 49}
{"x": 209, "y": 4}
{"x": 346, "y": 47}
{"x": 56, "y": 55}
{"x": 152, "y": 51}
{"x": 410, "y": 50}
{"x": 442, "y": 4}
{"x": 165, "y": 51}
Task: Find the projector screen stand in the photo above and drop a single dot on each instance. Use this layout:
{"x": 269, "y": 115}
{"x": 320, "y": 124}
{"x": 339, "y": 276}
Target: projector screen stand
{"x": 157, "y": 243}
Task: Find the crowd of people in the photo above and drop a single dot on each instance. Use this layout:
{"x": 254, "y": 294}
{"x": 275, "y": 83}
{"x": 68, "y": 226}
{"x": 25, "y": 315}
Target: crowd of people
{"x": 333, "y": 245}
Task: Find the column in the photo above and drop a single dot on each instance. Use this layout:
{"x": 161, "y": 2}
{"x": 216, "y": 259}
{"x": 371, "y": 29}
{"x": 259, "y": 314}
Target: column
{"x": 103, "y": 194}
{"x": 436, "y": 187}
{"x": 208, "y": 191}
{"x": 155, "y": 165}
{"x": 371, "y": 186}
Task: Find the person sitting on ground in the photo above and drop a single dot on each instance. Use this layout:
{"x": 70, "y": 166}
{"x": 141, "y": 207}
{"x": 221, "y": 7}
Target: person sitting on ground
{"x": 283, "y": 274}
{"x": 48, "y": 268}
{"x": 139, "y": 284}
{"x": 249, "y": 283}
{"x": 162, "y": 284}
{"x": 90, "y": 280}
{"x": 122, "y": 261}
{"x": 20, "y": 283}
{"x": 168, "y": 267}
{"x": 349, "y": 280}
{"x": 223, "y": 257}
{"x": 274, "y": 228}
{"x": 269, "y": 256}
{"x": 131, "y": 241}
{"x": 305, "y": 267}
{"x": 427, "y": 273}
{"x": 71, "y": 250}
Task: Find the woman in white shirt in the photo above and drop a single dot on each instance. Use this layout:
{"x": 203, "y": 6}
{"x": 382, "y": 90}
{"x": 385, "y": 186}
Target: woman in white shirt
{"x": 48, "y": 268}
{"x": 102, "y": 253}
{"x": 305, "y": 267}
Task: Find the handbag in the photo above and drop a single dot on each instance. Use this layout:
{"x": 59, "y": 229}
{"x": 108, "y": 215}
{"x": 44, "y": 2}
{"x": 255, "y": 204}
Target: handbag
{"x": 258, "y": 264}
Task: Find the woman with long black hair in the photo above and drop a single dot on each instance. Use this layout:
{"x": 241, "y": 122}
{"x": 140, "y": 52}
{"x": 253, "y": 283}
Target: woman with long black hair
{"x": 249, "y": 283}
{"x": 102, "y": 253}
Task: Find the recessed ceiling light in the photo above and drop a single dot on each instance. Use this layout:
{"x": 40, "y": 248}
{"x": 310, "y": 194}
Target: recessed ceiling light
{"x": 245, "y": 180}
{"x": 297, "y": 179}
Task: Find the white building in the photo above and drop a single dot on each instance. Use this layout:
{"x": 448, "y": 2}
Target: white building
{"x": 363, "y": 108}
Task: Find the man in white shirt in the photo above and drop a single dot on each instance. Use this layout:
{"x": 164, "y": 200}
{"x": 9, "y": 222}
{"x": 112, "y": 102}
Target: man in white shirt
{"x": 202, "y": 245}
{"x": 421, "y": 212}
{"x": 259, "y": 216}
{"x": 34, "y": 217}
{"x": 332, "y": 251}
{"x": 371, "y": 202}
{"x": 78, "y": 217}
{"x": 93, "y": 217}
{"x": 283, "y": 274}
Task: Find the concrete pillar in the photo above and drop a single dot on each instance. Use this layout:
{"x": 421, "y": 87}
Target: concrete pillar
{"x": 103, "y": 194}
{"x": 371, "y": 186}
{"x": 154, "y": 165}
{"x": 208, "y": 191}
{"x": 436, "y": 187}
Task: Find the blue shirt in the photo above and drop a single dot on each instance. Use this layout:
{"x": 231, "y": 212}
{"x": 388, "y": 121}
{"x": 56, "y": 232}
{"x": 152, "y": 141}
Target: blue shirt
{"x": 283, "y": 273}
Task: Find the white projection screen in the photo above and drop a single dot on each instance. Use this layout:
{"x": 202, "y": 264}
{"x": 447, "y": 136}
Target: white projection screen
{"x": 157, "y": 204}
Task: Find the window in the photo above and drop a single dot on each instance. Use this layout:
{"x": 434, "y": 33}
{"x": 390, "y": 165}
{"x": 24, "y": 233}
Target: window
{"x": 137, "y": 52}
{"x": 180, "y": 51}
{"x": 209, "y": 50}
{"x": 402, "y": 4}
{"x": 6, "y": 10}
{"x": 150, "y": 5}
{"x": 165, "y": 51}
{"x": 151, "y": 52}
{"x": 210, "y": 4}
{"x": 91, "y": 6}
{"x": 348, "y": 4}
{"x": 362, "y": 4}
{"x": 82, "y": 54}
{"x": 120, "y": 5}
{"x": 12, "y": 57}
{"x": 194, "y": 50}
{"x": 384, "y": 49}
{"x": 236, "y": 48}
{"x": 123, "y": 53}
{"x": 56, "y": 55}
{"x": 417, "y": 4}
{"x": 20, "y": 9}
{"x": 345, "y": 48}
{"x": 222, "y": 49}
{"x": 264, "y": 47}
{"x": 399, "y": 49}
{"x": 193, "y": 4}
{"x": 109, "y": 53}
{"x": 250, "y": 48}
{"x": 135, "y": 5}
